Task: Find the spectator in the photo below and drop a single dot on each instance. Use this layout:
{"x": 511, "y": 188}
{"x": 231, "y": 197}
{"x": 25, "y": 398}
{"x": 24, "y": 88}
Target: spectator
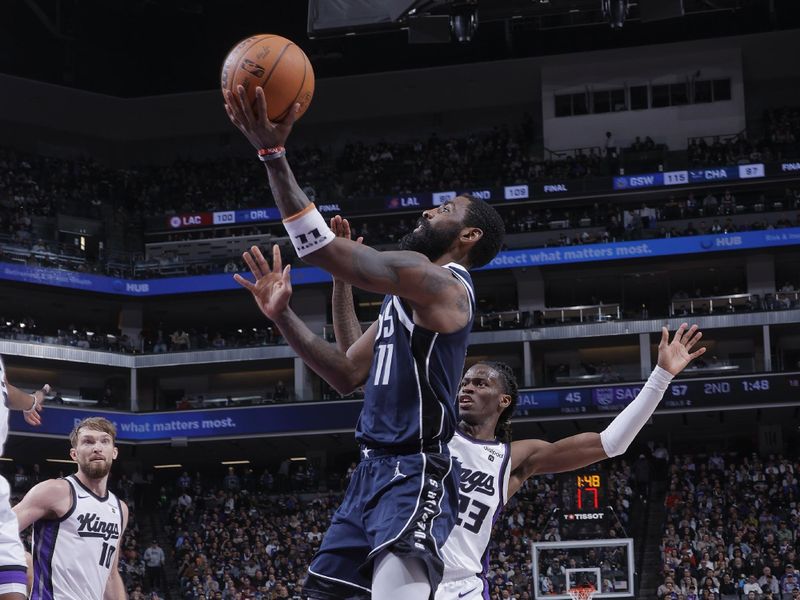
{"x": 154, "y": 560}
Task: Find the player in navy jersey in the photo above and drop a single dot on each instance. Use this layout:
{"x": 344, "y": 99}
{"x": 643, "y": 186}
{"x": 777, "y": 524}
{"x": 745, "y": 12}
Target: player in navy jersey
{"x": 402, "y": 499}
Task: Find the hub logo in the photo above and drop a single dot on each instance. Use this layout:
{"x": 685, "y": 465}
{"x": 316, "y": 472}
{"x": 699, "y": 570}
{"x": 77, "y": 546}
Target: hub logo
{"x": 175, "y": 222}
{"x": 137, "y": 288}
{"x": 734, "y": 240}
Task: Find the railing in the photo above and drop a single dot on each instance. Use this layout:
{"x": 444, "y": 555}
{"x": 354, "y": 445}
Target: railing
{"x": 723, "y": 138}
{"x": 587, "y": 151}
{"x": 729, "y": 302}
{"x": 594, "y": 312}
{"x": 502, "y": 320}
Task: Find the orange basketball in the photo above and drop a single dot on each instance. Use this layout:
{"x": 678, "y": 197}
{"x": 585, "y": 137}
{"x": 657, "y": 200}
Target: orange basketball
{"x": 276, "y": 64}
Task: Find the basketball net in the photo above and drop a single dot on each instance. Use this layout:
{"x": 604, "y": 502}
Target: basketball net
{"x": 582, "y": 592}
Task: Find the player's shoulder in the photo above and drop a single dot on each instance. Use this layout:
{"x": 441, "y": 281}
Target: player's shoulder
{"x": 50, "y": 493}
{"x": 52, "y": 486}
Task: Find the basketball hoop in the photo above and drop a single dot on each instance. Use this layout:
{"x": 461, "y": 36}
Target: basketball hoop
{"x": 582, "y": 592}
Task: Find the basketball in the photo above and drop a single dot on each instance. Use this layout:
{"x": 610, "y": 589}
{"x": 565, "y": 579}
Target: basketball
{"x": 274, "y": 63}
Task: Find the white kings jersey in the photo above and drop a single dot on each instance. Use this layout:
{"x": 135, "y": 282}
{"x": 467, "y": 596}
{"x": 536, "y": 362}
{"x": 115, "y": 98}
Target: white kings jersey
{"x": 484, "y": 483}
{"x": 73, "y": 555}
{"x": 3, "y": 406}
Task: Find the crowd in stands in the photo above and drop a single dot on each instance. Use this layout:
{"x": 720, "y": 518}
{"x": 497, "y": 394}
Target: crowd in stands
{"x": 779, "y": 141}
{"x": 156, "y": 340}
{"x": 255, "y": 534}
{"x": 732, "y": 528}
{"x": 33, "y": 189}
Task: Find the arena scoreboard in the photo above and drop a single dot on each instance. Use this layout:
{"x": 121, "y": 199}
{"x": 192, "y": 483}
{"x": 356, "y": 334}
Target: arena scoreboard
{"x": 682, "y": 393}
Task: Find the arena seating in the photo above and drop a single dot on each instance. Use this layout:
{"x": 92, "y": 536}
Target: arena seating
{"x": 731, "y": 528}
{"x": 242, "y": 532}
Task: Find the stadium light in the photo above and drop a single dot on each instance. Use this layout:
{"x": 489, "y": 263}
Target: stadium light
{"x": 235, "y": 462}
{"x": 61, "y": 460}
{"x": 174, "y": 466}
{"x": 298, "y": 458}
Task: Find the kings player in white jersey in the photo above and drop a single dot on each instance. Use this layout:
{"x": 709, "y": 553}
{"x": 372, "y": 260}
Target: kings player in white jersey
{"x": 77, "y": 523}
{"x": 13, "y": 568}
{"x": 493, "y": 468}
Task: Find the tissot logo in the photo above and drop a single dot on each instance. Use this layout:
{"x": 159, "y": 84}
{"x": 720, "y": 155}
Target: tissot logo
{"x": 479, "y": 481}
{"x": 583, "y": 516}
{"x": 90, "y": 525}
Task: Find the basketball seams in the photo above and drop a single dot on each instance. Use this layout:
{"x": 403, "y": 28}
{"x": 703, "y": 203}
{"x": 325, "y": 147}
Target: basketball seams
{"x": 272, "y": 70}
{"x": 299, "y": 90}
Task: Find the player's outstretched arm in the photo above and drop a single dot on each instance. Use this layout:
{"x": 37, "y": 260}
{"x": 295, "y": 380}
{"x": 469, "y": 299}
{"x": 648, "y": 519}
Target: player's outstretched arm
{"x": 50, "y": 499}
{"x": 346, "y": 327}
{"x": 530, "y": 457}
{"x": 30, "y": 404}
{"x": 115, "y": 587}
{"x": 407, "y": 274}
{"x": 272, "y": 290}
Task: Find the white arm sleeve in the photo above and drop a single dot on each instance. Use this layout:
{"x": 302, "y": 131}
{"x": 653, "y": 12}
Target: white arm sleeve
{"x": 620, "y": 432}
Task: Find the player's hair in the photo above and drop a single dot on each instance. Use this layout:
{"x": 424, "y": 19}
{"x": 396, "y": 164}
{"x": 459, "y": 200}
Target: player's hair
{"x": 96, "y": 423}
{"x": 503, "y": 429}
{"x": 487, "y": 219}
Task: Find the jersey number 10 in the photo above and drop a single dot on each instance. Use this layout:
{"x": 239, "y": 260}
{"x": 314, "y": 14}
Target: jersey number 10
{"x": 106, "y": 554}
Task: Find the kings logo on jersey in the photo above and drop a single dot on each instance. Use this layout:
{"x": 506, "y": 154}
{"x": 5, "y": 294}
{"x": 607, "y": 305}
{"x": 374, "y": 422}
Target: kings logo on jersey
{"x": 476, "y": 481}
{"x": 90, "y": 525}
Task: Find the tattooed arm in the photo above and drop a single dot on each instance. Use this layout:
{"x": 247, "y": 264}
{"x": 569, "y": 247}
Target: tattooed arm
{"x": 346, "y": 327}
{"x": 344, "y": 371}
{"x": 439, "y": 301}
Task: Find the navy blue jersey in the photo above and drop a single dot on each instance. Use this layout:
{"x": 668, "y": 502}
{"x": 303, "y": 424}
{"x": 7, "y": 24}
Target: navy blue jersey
{"x": 410, "y": 395}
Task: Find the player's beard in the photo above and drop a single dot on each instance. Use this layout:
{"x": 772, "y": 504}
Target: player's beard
{"x": 96, "y": 469}
{"x": 431, "y": 242}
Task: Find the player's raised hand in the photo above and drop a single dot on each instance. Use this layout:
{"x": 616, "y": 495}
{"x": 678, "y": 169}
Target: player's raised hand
{"x": 32, "y": 416}
{"x": 272, "y": 288}
{"x": 674, "y": 356}
{"x": 254, "y": 123}
{"x": 341, "y": 227}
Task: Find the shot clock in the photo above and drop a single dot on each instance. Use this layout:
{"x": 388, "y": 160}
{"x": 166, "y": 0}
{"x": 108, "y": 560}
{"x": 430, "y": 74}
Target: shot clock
{"x": 589, "y": 492}
{"x": 584, "y": 514}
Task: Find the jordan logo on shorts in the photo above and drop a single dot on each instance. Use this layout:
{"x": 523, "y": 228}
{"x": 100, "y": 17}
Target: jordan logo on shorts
{"x": 397, "y": 472}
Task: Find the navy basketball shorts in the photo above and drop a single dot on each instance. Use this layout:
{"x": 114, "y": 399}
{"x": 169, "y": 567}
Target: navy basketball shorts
{"x": 404, "y": 503}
